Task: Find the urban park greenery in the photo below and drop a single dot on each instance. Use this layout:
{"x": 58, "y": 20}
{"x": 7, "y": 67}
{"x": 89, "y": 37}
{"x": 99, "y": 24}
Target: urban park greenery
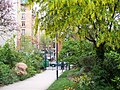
{"x": 94, "y": 20}
{"x": 73, "y": 50}
{"x": 98, "y": 22}
{"x": 8, "y": 59}
{"x": 89, "y": 73}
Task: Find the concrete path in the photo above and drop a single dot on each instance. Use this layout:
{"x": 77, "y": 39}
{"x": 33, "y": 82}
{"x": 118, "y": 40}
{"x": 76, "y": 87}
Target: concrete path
{"x": 38, "y": 82}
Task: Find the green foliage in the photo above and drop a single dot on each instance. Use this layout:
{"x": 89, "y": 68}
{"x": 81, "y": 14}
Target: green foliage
{"x": 62, "y": 82}
{"x": 8, "y": 59}
{"x": 113, "y": 68}
{"x": 87, "y": 60}
{"x": 72, "y": 51}
{"x": 36, "y": 24}
{"x": 45, "y": 40}
{"x": 7, "y": 75}
{"x": 8, "y": 55}
{"x": 42, "y": 65}
{"x": 96, "y": 21}
{"x": 104, "y": 75}
{"x": 27, "y": 45}
{"x": 34, "y": 60}
{"x": 11, "y": 42}
{"x": 86, "y": 83}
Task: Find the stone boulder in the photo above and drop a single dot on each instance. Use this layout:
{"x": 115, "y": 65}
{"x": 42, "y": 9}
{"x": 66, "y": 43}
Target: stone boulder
{"x": 20, "y": 68}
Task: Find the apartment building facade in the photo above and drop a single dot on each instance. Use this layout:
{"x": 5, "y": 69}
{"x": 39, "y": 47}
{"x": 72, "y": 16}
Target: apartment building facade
{"x": 25, "y": 19}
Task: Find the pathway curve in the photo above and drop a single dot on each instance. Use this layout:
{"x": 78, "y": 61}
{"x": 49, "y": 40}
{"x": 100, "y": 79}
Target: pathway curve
{"x": 38, "y": 82}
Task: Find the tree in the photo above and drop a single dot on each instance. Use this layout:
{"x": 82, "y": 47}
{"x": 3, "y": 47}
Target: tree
{"x": 7, "y": 19}
{"x": 94, "y": 20}
{"x": 45, "y": 40}
{"x": 73, "y": 50}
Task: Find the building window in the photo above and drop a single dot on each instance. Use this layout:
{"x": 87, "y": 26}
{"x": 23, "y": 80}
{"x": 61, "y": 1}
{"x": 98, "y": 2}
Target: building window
{"x": 23, "y": 32}
{"x": 23, "y": 23}
{"x": 23, "y": 16}
{"x": 23, "y": 9}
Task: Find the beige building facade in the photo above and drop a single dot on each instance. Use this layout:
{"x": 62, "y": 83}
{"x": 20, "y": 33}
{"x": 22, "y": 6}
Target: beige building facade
{"x": 25, "y": 19}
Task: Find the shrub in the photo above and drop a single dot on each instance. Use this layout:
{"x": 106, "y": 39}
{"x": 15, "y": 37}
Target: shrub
{"x": 9, "y": 56}
{"x": 7, "y": 75}
{"x": 8, "y": 59}
{"x": 87, "y": 60}
{"x": 106, "y": 73}
{"x": 112, "y": 66}
{"x": 35, "y": 60}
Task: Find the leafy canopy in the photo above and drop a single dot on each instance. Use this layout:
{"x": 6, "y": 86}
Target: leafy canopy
{"x": 94, "y": 20}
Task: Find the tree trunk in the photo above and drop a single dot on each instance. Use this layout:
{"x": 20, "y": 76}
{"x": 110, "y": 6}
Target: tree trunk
{"x": 100, "y": 51}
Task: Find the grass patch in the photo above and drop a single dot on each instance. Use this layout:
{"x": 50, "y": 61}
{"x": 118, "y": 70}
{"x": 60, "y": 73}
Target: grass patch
{"x": 62, "y": 82}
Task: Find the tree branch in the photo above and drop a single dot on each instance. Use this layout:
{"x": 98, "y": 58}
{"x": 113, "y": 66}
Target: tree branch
{"x": 111, "y": 23}
{"x": 91, "y": 40}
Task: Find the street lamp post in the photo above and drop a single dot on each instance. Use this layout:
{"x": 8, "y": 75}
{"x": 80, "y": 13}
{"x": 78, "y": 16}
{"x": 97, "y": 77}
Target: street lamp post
{"x": 45, "y": 56}
{"x": 50, "y": 51}
{"x": 57, "y": 56}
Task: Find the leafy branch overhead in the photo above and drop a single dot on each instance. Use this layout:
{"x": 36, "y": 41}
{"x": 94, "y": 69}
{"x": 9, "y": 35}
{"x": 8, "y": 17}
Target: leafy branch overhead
{"x": 95, "y": 20}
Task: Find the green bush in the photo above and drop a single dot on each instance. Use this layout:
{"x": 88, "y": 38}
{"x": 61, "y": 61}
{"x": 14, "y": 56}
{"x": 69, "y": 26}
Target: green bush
{"x": 42, "y": 66}
{"x": 112, "y": 66}
{"x": 34, "y": 59}
{"x": 87, "y": 83}
{"x": 31, "y": 70}
{"x": 105, "y": 74}
{"x": 9, "y": 56}
{"x": 8, "y": 59}
{"x": 88, "y": 60}
{"x": 7, "y": 75}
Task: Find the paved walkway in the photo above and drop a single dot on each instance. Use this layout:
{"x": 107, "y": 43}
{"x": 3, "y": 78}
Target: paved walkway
{"x": 39, "y": 82}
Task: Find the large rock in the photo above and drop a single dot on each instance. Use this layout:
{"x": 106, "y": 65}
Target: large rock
{"x": 21, "y": 68}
